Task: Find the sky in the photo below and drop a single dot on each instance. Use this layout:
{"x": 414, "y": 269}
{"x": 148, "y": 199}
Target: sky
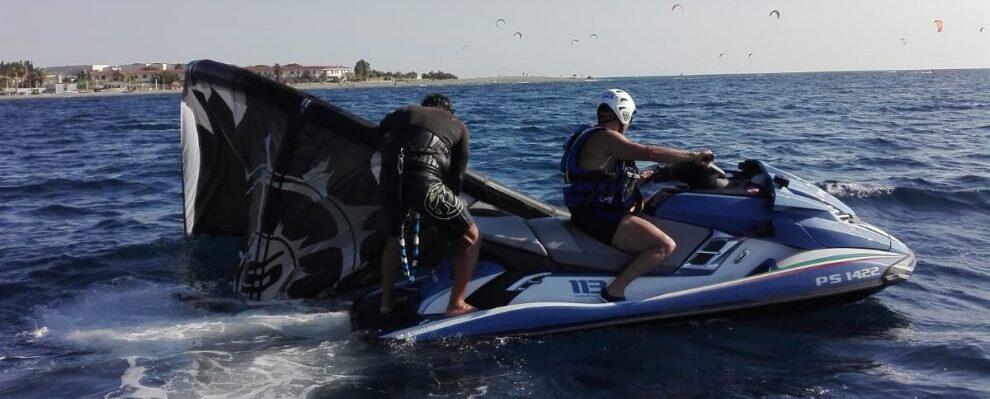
{"x": 635, "y": 38}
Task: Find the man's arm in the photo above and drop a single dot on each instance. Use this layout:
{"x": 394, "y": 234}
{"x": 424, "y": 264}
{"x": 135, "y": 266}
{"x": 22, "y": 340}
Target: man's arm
{"x": 459, "y": 161}
{"x": 622, "y": 148}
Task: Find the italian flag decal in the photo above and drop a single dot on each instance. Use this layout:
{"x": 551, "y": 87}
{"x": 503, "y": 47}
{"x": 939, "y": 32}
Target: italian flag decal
{"x": 833, "y": 255}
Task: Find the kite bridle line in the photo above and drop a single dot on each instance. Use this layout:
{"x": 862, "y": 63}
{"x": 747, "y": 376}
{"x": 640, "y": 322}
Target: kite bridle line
{"x": 409, "y": 263}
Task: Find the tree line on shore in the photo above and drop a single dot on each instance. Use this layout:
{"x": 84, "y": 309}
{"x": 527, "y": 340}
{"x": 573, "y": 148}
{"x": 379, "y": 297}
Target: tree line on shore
{"x": 21, "y": 74}
{"x": 162, "y": 77}
{"x": 306, "y": 77}
{"x": 363, "y": 72}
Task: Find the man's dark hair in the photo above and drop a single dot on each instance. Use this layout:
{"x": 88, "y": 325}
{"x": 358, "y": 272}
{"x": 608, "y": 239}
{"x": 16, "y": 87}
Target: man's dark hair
{"x": 605, "y": 114}
{"x": 437, "y": 100}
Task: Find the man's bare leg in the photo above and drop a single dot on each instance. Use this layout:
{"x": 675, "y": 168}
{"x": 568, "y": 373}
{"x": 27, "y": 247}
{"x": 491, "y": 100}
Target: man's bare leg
{"x": 469, "y": 246}
{"x": 390, "y": 268}
{"x": 638, "y": 235}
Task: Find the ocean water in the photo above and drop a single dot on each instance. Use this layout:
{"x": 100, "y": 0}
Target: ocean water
{"x": 95, "y": 273}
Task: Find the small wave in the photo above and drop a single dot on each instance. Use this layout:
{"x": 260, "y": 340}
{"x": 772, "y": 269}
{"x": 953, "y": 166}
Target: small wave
{"x": 69, "y": 186}
{"x": 931, "y": 108}
{"x": 978, "y": 200}
{"x": 693, "y": 104}
{"x": 759, "y": 115}
{"x": 143, "y": 126}
{"x": 71, "y": 211}
{"x": 529, "y": 129}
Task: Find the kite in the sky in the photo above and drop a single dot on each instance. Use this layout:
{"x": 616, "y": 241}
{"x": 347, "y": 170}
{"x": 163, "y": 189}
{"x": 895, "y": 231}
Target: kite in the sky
{"x": 903, "y": 41}
{"x": 750, "y": 55}
{"x": 593, "y": 36}
{"x": 500, "y": 22}
{"x": 675, "y": 7}
{"x": 720, "y": 55}
{"x": 982, "y": 28}
{"x": 775, "y": 12}
{"x": 573, "y": 41}
{"x": 518, "y": 35}
{"x": 938, "y": 24}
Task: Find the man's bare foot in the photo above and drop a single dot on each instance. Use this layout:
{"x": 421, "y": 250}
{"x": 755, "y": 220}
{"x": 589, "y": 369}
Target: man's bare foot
{"x": 460, "y": 309}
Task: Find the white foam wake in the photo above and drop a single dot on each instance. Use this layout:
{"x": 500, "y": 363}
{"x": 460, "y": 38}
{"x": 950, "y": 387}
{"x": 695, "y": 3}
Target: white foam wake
{"x": 145, "y": 320}
{"x": 270, "y": 373}
{"x": 855, "y": 189}
{"x": 278, "y": 349}
{"x": 130, "y": 383}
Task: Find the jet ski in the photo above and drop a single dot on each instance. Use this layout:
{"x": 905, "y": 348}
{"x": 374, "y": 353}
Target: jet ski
{"x": 753, "y": 238}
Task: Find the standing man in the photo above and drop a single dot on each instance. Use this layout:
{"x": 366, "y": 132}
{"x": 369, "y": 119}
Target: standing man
{"x": 602, "y": 188}
{"x": 424, "y": 156}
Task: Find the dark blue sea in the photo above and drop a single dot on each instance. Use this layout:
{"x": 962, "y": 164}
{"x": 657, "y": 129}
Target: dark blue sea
{"x": 95, "y": 272}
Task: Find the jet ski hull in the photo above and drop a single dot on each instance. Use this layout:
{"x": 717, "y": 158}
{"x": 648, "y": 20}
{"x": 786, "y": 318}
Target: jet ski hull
{"x": 768, "y": 240}
{"x": 831, "y": 279}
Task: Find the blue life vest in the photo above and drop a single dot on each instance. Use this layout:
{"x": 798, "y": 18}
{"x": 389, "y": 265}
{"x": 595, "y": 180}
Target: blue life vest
{"x": 608, "y": 194}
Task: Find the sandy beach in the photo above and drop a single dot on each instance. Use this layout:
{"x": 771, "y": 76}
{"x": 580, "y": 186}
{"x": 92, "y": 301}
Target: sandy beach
{"x": 319, "y": 86}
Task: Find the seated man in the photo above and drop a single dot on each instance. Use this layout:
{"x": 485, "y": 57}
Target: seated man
{"x": 602, "y": 188}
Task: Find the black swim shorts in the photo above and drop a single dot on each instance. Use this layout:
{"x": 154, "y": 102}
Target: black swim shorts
{"x": 425, "y": 193}
{"x": 601, "y": 228}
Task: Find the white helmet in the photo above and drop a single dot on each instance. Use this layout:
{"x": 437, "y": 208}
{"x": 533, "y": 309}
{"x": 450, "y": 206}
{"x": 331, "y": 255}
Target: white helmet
{"x": 621, "y": 104}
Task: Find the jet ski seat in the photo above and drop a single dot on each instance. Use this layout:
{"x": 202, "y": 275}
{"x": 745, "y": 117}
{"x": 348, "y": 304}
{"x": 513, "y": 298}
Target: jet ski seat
{"x": 510, "y": 231}
{"x": 568, "y": 245}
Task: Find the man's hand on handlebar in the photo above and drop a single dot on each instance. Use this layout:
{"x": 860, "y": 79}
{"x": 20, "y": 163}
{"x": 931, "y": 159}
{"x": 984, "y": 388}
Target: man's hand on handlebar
{"x": 651, "y": 173}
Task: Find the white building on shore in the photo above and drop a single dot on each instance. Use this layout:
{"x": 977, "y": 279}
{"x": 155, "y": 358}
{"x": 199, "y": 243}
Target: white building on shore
{"x": 63, "y": 78}
{"x": 296, "y": 71}
{"x": 153, "y": 66}
{"x": 138, "y": 73}
{"x": 67, "y": 70}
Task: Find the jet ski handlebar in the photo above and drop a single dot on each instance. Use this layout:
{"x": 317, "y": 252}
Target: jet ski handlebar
{"x": 699, "y": 177}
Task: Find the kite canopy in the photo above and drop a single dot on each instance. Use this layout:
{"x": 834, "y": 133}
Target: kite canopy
{"x": 593, "y": 36}
{"x": 499, "y": 22}
{"x": 573, "y": 41}
{"x": 775, "y": 13}
{"x": 517, "y": 35}
{"x": 262, "y": 161}
{"x": 676, "y": 7}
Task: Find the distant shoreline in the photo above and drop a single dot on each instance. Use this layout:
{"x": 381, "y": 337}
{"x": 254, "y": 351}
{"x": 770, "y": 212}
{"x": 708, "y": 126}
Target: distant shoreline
{"x": 320, "y": 86}
{"x": 428, "y": 83}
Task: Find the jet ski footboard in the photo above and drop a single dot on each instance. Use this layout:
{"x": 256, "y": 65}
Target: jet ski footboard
{"x": 500, "y": 291}
{"x": 366, "y": 315}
